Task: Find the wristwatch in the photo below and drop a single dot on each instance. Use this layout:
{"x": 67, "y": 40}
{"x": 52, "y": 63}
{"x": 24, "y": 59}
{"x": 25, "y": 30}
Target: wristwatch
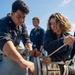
{"x": 30, "y": 51}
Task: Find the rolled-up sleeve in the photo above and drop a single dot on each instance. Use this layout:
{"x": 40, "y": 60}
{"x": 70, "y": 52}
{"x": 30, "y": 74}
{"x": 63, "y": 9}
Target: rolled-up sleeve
{"x": 4, "y": 35}
{"x": 26, "y": 38}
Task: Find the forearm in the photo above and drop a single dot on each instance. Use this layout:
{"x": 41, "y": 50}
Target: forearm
{"x": 11, "y": 52}
{"x": 29, "y": 46}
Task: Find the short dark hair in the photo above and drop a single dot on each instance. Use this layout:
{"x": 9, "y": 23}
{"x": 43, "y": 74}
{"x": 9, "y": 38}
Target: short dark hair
{"x": 20, "y": 5}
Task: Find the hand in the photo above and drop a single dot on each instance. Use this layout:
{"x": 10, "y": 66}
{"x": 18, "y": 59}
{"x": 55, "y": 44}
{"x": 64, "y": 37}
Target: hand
{"x": 24, "y": 64}
{"x": 68, "y": 40}
{"x": 32, "y": 53}
{"x": 30, "y": 66}
{"x": 35, "y": 52}
{"x": 46, "y": 59}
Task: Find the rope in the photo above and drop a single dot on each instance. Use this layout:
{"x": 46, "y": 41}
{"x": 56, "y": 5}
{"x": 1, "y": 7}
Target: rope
{"x": 27, "y": 72}
{"x": 57, "y": 50}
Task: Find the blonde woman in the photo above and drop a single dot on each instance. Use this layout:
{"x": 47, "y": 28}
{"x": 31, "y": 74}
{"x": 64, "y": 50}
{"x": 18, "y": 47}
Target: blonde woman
{"x": 57, "y": 35}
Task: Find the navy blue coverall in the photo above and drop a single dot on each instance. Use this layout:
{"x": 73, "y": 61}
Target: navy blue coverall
{"x": 36, "y": 37}
{"x": 9, "y": 31}
{"x": 51, "y": 43}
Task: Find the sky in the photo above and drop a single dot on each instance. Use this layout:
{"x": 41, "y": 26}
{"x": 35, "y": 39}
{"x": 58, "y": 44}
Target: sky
{"x": 42, "y": 9}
